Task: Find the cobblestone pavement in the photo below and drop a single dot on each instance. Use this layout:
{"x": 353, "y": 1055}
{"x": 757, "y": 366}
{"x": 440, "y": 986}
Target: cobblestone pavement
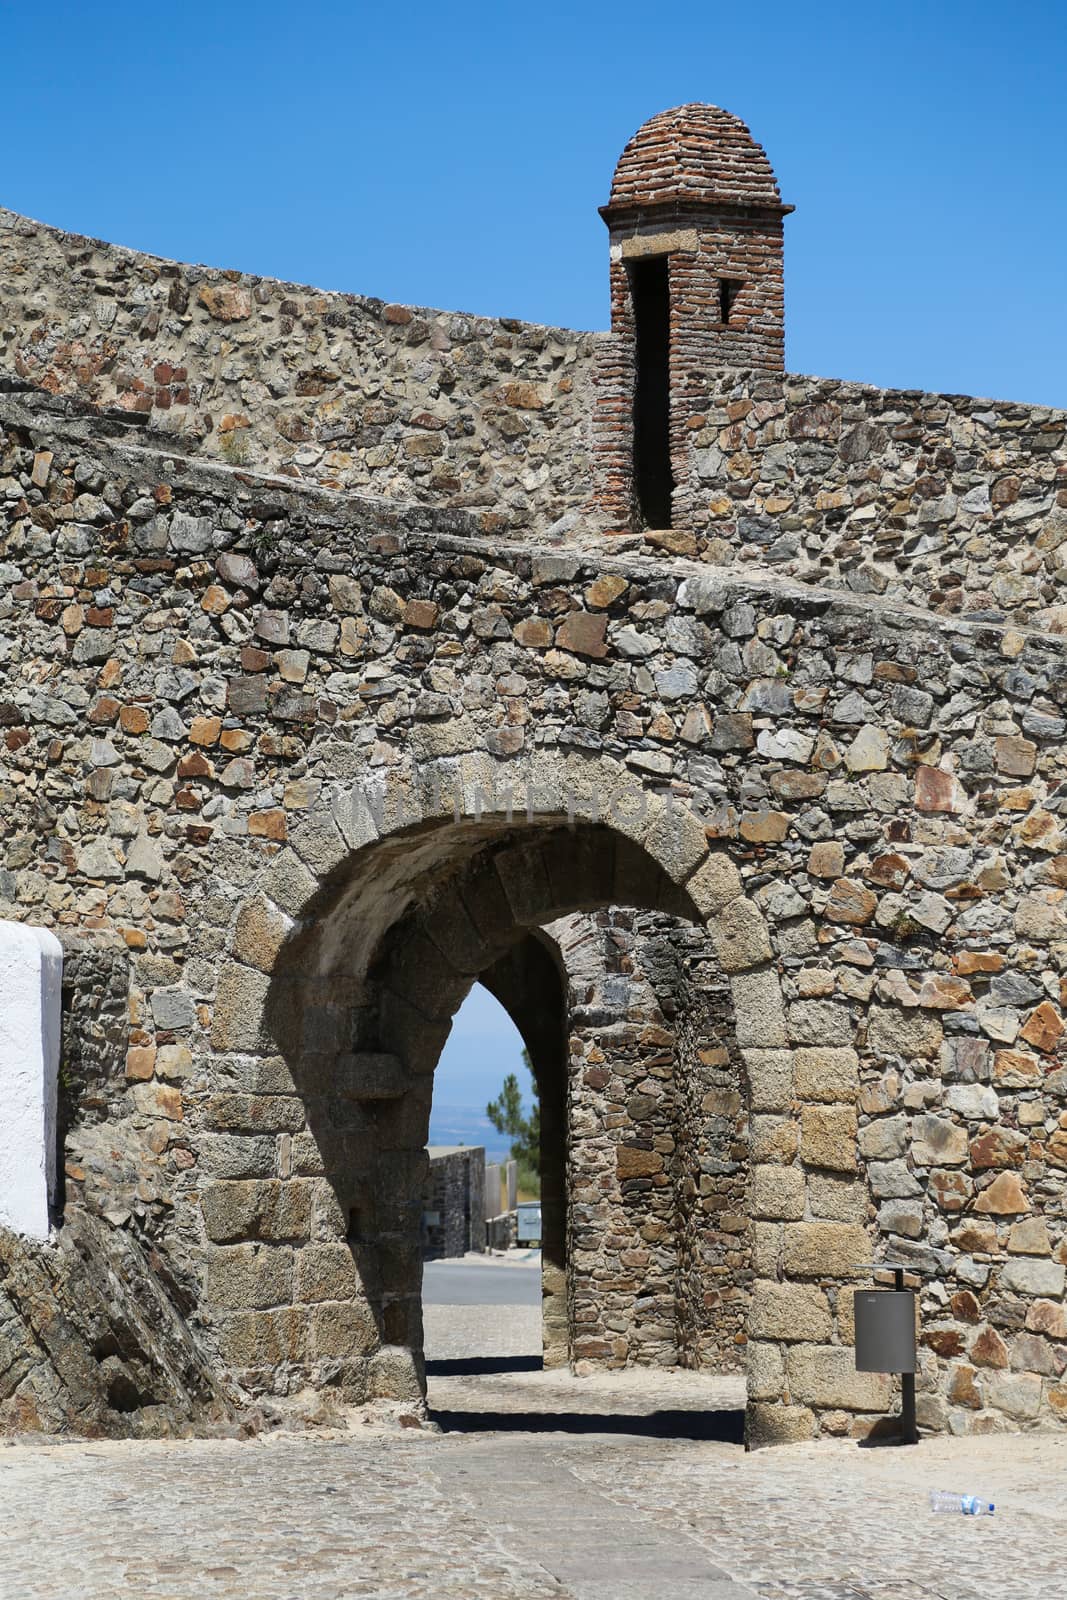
{"x": 524, "y": 1516}
{"x": 524, "y": 1494}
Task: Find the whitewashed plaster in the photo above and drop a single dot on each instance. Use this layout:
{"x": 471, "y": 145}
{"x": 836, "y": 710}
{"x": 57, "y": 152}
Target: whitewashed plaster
{"x": 31, "y": 971}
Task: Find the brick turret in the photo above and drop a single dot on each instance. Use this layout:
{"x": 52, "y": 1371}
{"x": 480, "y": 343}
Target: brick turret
{"x": 695, "y": 223}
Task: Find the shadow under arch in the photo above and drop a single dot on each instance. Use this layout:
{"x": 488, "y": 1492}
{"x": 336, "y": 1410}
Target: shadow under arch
{"x": 360, "y": 1003}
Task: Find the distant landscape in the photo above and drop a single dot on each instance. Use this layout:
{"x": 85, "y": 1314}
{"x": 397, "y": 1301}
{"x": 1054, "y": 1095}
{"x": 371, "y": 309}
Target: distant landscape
{"x": 482, "y": 1048}
{"x": 451, "y": 1124}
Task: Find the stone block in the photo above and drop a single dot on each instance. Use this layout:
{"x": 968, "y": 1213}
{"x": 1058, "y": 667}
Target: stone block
{"x": 938, "y": 1141}
{"x": 1005, "y": 1197}
{"x": 341, "y": 1329}
{"x": 306, "y": 1154}
{"x": 905, "y": 1220}
{"x": 259, "y": 1075}
{"x": 777, "y": 1193}
{"x": 238, "y": 1018}
{"x": 714, "y": 885}
{"x": 1031, "y": 1353}
{"x": 329, "y": 1220}
{"x": 260, "y": 933}
{"x": 224, "y": 1155}
{"x": 1029, "y": 1238}
{"x": 823, "y": 1249}
{"x": 288, "y": 883}
{"x": 1032, "y": 1275}
{"x": 392, "y": 1375}
{"x": 773, "y": 1138}
{"x": 173, "y": 1008}
{"x": 826, "y": 1376}
{"x": 264, "y": 1338}
{"x": 883, "y": 1139}
{"x": 677, "y": 841}
{"x": 1049, "y": 1317}
{"x": 320, "y": 844}
{"x": 789, "y": 1312}
{"x": 766, "y": 1248}
{"x": 740, "y": 937}
{"x": 892, "y": 1180}
{"x": 158, "y": 1100}
{"x": 998, "y": 1147}
{"x": 825, "y": 1073}
{"x": 765, "y": 1371}
{"x": 773, "y": 1424}
{"x": 249, "y": 1209}
{"x": 770, "y": 1078}
{"x": 249, "y": 1277}
{"x": 633, "y": 1162}
{"x": 521, "y": 871}
{"x": 325, "y": 1272}
{"x": 893, "y": 1031}
{"x": 1017, "y": 1394}
{"x": 371, "y": 1075}
{"x": 759, "y": 1017}
{"x": 425, "y": 977}
{"x": 837, "y": 1198}
{"x": 254, "y": 1113}
{"x": 819, "y": 1022}
{"x": 828, "y": 1137}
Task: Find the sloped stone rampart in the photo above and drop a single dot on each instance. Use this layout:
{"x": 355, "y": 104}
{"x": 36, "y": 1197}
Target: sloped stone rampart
{"x": 94, "y": 1341}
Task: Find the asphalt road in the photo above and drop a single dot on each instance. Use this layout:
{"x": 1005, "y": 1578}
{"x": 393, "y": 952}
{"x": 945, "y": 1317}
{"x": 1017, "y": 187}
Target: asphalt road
{"x": 457, "y": 1283}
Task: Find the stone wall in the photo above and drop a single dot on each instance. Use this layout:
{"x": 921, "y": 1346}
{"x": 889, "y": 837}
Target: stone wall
{"x": 658, "y": 1163}
{"x": 453, "y": 1207}
{"x": 324, "y": 693}
{"x": 622, "y": 1119}
{"x": 335, "y": 389}
{"x": 943, "y": 502}
{"x": 715, "y": 1148}
{"x": 181, "y": 726}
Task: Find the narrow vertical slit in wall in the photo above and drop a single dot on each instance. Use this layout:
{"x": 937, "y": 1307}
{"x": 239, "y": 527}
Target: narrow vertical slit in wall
{"x": 729, "y": 289}
{"x": 653, "y": 483}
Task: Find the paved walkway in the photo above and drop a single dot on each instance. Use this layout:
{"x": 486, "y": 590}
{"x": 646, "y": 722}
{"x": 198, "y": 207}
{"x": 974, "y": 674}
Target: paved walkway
{"x": 617, "y": 1488}
{"x": 525, "y": 1516}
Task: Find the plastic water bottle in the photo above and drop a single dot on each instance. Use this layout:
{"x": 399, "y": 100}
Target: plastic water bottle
{"x": 969, "y": 1504}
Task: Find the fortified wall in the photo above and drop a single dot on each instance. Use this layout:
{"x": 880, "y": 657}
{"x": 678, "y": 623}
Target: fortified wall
{"x": 349, "y": 652}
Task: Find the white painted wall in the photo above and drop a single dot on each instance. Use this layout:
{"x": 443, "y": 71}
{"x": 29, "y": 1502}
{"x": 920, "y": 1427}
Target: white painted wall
{"x": 31, "y": 972}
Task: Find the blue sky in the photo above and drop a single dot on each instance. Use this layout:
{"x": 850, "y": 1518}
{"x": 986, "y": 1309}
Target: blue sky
{"x": 482, "y": 1047}
{"x": 454, "y": 155}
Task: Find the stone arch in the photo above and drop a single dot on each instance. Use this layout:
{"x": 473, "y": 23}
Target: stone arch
{"x": 346, "y": 966}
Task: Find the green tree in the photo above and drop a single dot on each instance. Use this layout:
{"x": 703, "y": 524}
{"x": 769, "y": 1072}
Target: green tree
{"x": 507, "y": 1116}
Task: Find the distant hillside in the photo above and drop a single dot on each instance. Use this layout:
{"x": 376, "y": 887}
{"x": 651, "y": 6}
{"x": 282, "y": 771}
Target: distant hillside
{"x": 467, "y": 1125}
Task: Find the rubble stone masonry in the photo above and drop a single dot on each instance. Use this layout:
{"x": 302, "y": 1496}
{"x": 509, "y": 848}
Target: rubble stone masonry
{"x": 304, "y": 731}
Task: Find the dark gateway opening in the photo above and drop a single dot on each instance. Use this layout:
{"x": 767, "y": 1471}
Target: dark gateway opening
{"x": 653, "y": 482}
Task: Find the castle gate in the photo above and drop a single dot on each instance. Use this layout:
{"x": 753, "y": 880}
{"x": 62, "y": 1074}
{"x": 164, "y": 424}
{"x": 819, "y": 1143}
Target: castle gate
{"x": 345, "y": 646}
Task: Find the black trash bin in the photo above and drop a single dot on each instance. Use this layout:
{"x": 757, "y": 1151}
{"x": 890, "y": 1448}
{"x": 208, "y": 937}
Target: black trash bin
{"x": 885, "y": 1337}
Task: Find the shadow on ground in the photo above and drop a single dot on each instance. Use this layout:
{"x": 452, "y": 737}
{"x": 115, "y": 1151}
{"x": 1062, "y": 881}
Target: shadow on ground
{"x": 481, "y": 1366}
{"x": 724, "y": 1427}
